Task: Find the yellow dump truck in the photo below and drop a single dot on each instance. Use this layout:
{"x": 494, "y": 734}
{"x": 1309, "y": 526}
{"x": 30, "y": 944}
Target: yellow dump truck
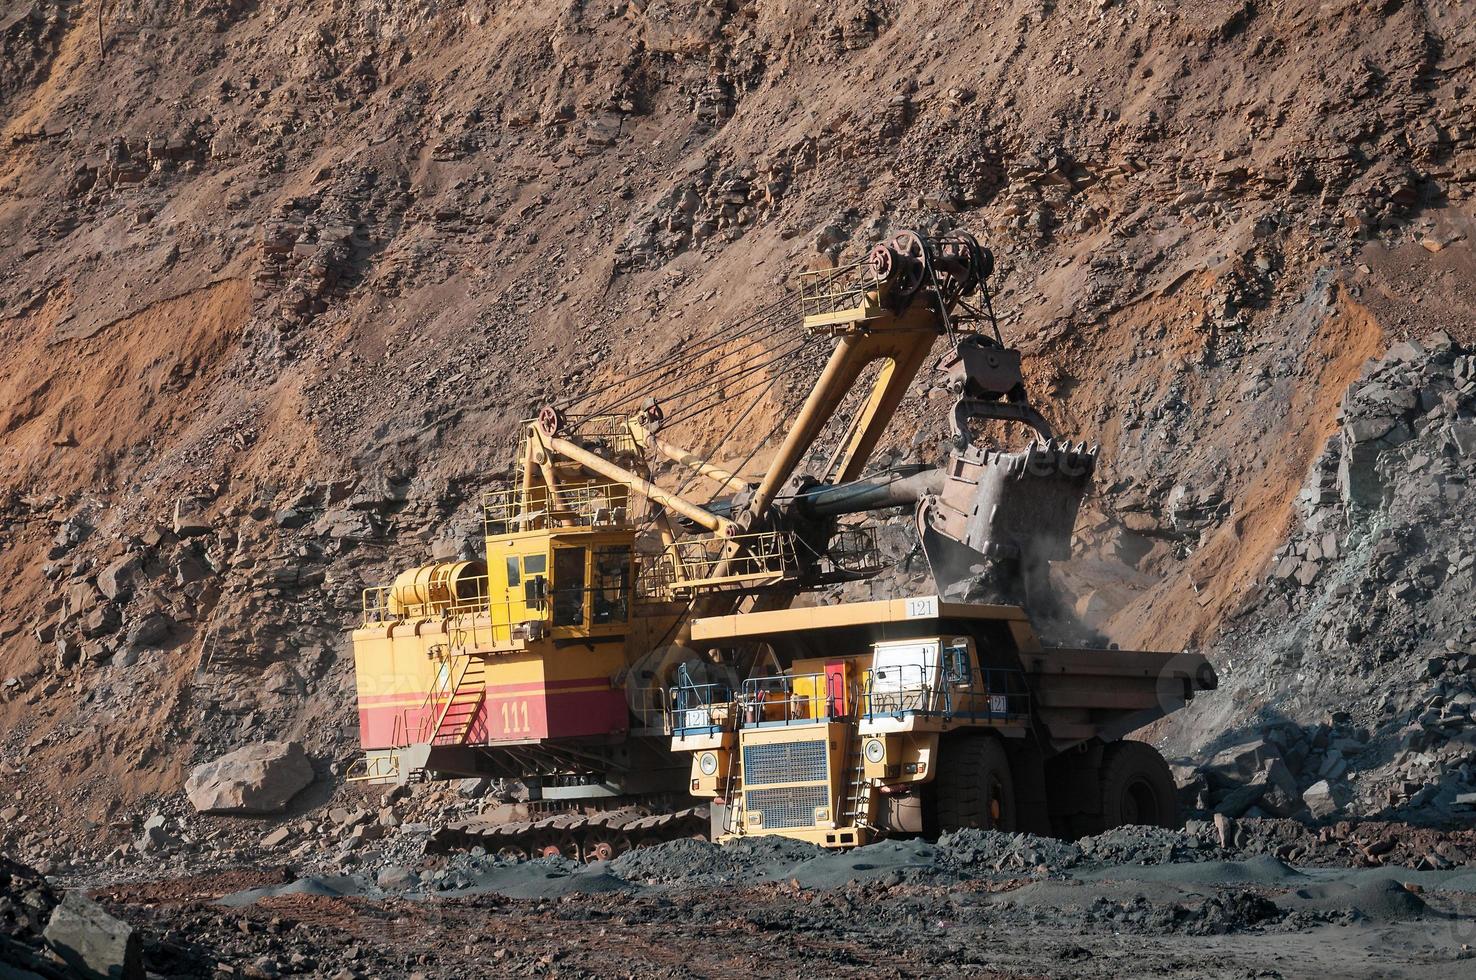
{"x": 918, "y": 715}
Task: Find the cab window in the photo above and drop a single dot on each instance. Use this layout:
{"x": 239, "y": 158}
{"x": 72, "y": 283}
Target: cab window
{"x": 957, "y": 668}
{"x": 569, "y": 586}
{"x": 611, "y": 585}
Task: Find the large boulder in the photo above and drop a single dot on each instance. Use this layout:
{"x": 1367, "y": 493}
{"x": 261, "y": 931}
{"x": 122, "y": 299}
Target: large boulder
{"x": 1231, "y": 767}
{"x": 150, "y": 630}
{"x": 94, "y": 944}
{"x": 1324, "y": 799}
{"x": 259, "y": 778}
{"x": 116, "y": 580}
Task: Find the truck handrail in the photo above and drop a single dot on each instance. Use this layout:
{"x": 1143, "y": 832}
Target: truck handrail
{"x": 789, "y": 699}
{"x": 925, "y": 689}
{"x": 699, "y": 709}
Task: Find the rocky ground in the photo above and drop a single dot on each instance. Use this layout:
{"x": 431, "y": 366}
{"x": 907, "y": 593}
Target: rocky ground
{"x": 286, "y": 277}
{"x": 361, "y": 884}
{"x": 1138, "y": 901}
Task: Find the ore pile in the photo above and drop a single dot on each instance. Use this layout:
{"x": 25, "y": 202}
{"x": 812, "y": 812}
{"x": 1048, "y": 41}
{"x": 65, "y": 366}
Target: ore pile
{"x": 1141, "y": 845}
{"x": 1234, "y": 911}
{"x": 1368, "y": 607}
{"x": 972, "y": 851}
{"x": 699, "y": 862}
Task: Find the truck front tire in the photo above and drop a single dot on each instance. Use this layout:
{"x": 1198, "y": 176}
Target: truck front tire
{"x": 974, "y": 787}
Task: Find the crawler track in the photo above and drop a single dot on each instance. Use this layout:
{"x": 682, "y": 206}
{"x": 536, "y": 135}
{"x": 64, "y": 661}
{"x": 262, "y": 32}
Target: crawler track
{"x": 577, "y": 836}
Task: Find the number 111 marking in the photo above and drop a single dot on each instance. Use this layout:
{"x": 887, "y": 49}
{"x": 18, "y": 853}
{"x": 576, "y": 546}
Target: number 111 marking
{"x": 515, "y": 718}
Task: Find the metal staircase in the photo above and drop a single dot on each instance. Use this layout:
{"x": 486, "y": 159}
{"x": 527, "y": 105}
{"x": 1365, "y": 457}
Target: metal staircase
{"x": 856, "y": 809}
{"x": 735, "y": 790}
{"x": 459, "y": 712}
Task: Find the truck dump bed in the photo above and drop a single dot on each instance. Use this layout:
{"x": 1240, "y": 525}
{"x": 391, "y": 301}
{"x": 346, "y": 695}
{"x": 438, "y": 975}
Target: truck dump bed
{"x": 1079, "y": 694}
{"x": 1104, "y": 694}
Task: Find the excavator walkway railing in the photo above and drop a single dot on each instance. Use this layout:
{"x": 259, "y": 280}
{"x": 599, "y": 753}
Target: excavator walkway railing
{"x": 536, "y": 508}
{"x": 381, "y": 603}
{"x": 376, "y": 768}
{"x": 695, "y": 565}
{"x": 472, "y": 621}
{"x": 825, "y": 291}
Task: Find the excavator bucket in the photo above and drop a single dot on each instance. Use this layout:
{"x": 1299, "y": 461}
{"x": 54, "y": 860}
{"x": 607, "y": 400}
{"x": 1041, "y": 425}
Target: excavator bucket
{"x": 998, "y": 509}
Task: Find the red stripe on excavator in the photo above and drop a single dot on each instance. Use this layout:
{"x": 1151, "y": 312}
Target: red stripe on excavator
{"x": 506, "y": 719}
{"x": 529, "y": 687}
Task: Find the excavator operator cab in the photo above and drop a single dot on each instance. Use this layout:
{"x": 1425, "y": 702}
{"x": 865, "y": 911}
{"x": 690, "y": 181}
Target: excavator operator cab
{"x": 579, "y": 580}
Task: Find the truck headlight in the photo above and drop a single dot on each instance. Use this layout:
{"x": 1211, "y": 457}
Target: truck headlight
{"x": 707, "y": 763}
{"x": 876, "y": 751}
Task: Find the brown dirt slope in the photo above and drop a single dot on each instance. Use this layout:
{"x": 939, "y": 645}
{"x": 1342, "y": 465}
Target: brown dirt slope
{"x": 263, "y": 258}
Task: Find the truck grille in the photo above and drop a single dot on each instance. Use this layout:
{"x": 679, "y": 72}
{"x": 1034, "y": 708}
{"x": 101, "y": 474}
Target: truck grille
{"x": 786, "y": 807}
{"x": 786, "y": 762}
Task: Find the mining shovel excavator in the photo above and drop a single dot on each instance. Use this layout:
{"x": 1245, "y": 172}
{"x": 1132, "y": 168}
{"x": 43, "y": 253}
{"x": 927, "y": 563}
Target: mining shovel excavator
{"x": 648, "y": 662}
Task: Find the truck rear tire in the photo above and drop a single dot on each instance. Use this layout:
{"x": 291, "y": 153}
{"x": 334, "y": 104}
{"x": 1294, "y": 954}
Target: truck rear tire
{"x": 974, "y": 787}
{"x": 1137, "y": 787}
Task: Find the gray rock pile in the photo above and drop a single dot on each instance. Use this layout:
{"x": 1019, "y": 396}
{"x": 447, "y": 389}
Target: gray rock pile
{"x": 51, "y": 936}
{"x": 26, "y": 901}
{"x": 1286, "y": 771}
{"x": 971, "y": 851}
{"x": 1141, "y": 845}
{"x": 695, "y": 861}
{"x": 1358, "y": 645}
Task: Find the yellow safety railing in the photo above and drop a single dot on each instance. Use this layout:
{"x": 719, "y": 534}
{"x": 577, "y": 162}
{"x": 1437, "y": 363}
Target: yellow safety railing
{"x": 649, "y": 704}
{"x": 578, "y": 505}
{"x": 472, "y": 621}
{"x": 828, "y": 290}
{"x": 383, "y": 604}
{"x": 701, "y": 564}
{"x": 654, "y": 576}
{"x": 419, "y": 729}
{"x": 377, "y": 767}
{"x": 607, "y": 434}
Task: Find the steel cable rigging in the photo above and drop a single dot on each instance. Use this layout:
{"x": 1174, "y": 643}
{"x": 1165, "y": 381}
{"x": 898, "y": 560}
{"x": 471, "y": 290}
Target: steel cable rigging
{"x": 766, "y": 322}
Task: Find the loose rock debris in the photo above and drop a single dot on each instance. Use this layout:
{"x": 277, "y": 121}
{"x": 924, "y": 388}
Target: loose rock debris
{"x": 976, "y": 904}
